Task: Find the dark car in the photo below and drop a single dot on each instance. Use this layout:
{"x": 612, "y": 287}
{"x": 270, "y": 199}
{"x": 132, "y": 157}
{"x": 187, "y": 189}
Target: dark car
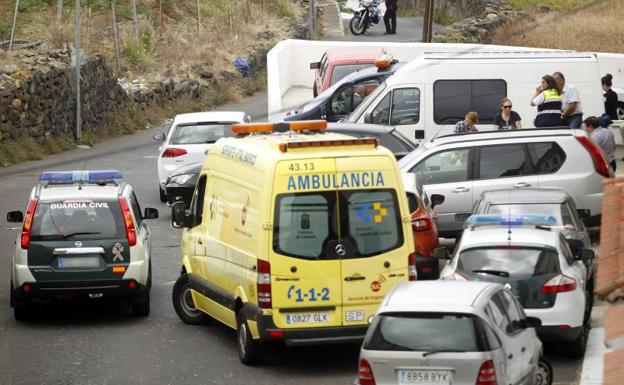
{"x": 387, "y": 136}
{"x": 342, "y": 98}
{"x": 180, "y": 184}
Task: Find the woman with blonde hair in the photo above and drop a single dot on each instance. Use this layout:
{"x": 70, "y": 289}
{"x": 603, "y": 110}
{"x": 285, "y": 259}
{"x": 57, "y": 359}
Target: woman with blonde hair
{"x": 468, "y": 124}
{"x": 507, "y": 119}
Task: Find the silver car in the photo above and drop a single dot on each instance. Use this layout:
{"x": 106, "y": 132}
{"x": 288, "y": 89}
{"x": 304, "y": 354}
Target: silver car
{"x": 460, "y": 333}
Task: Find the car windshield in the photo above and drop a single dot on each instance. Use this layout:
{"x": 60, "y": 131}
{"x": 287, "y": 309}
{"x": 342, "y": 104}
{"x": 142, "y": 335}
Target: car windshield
{"x": 359, "y": 110}
{"x": 556, "y": 210}
{"x": 342, "y": 70}
{"x": 517, "y": 262}
{"x": 77, "y": 219}
{"x": 422, "y": 332}
{"x": 198, "y": 133}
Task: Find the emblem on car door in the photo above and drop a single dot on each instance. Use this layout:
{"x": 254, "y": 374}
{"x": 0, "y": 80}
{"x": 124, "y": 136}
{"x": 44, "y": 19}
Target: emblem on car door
{"x": 340, "y": 250}
{"x": 507, "y": 286}
{"x": 78, "y": 244}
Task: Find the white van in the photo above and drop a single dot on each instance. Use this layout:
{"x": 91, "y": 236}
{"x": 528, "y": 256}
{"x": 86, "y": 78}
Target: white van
{"x": 429, "y": 95}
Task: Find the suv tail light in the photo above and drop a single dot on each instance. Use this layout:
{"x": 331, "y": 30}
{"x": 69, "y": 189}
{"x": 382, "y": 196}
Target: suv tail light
{"x": 411, "y": 267}
{"x": 365, "y": 374}
{"x": 487, "y": 374}
{"x": 127, "y": 216}
{"x": 421, "y": 224}
{"x": 172, "y": 152}
{"x": 600, "y": 164}
{"x": 264, "y": 285}
{"x": 28, "y": 221}
{"x": 559, "y": 284}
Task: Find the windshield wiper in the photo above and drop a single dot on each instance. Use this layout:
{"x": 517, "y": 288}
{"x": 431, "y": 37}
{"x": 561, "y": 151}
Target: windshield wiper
{"x": 436, "y": 351}
{"x": 500, "y": 273}
{"x": 81, "y": 233}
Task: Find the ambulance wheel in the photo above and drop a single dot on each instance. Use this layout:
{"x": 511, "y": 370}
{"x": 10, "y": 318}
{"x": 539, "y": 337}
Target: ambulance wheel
{"x": 184, "y": 305}
{"x": 141, "y": 305}
{"x": 163, "y": 195}
{"x": 249, "y": 351}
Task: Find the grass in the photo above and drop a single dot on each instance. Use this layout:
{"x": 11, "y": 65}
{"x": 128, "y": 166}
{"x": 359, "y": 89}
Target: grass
{"x": 597, "y": 26}
{"x": 555, "y": 5}
{"x": 440, "y": 16}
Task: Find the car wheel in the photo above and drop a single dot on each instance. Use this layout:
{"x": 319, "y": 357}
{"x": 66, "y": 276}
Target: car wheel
{"x": 184, "y": 305}
{"x": 21, "y": 309}
{"x": 576, "y": 348}
{"x": 163, "y": 196}
{"x": 142, "y": 309}
{"x": 249, "y": 351}
{"x": 544, "y": 372}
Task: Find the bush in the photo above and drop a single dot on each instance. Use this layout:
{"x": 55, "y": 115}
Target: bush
{"x": 282, "y": 8}
{"x": 138, "y": 53}
{"x": 441, "y": 17}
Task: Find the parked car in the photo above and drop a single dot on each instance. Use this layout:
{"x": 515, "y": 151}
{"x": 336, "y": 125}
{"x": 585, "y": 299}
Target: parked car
{"x": 536, "y": 264}
{"x": 387, "y": 136}
{"x": 180, "y": 184}
{"x": 424, "y": 226}
{"x": 460, "y": 333}
{"x": 190, "y": 137}
{"x": 462, "y": 166}
{"x": 339, "y": 100}
{"x": 337, "y": 63}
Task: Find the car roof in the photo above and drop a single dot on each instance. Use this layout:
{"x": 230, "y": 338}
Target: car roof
{"x": 525, "y": 195}
{"x": 353, "y": 53}
{"x": 489, "y": 235}
{"x": 432, "y": 296}
{"x": 504, "y": 134}
{"x": 211, "y": 116}
{"x": 360, "y": 127}
{"x": 74, "y": 191}
{"x": 369, "y": 71}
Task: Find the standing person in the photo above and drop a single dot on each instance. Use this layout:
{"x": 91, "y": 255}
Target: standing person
{"x": 572, "y": 111}
{"x": 468, "y": 124}
{"x": 603, "y": 137}
{"x": 548, "y": 99}
{"x": 390, "y": 17}
{"x": 610, "y": 97}
{"x": 507, "y": 119}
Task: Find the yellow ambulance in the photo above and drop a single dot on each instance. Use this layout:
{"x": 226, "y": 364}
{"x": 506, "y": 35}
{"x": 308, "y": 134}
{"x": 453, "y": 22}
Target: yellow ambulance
{"x": 292, "y": 235}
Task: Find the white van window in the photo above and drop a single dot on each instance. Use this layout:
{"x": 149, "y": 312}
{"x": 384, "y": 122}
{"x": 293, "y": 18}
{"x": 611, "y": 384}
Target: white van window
{"x": 405, "y": 106}
{"x": 502, "y": 161}
{"x": 444, "y": 167}
{"x": 452, "y": 99}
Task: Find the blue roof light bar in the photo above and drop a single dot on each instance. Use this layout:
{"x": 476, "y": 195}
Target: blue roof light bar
{"x": 81, "y": 176}
{"x": 513, "y": 220}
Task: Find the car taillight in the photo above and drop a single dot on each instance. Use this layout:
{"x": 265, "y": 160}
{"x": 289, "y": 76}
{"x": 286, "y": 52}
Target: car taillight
{"x": 365, "y": 374}
{"x": 27, "y": 226}
{"x": 559, "y": 284}
{"x": 487, "y": 374}
{"x": 600, "y": 164}
{"x": 421, "y": 224}
{"x": 264, "y": 284}
{"x": 172, "y": 152}
{"x": 411, "y": 267}
{"x": 127, "y": 216}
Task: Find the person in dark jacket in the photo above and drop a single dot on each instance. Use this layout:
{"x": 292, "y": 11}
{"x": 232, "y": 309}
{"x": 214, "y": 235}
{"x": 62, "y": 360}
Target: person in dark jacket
{"x": 610, "y": 97}
{"x": 390, "y": 17}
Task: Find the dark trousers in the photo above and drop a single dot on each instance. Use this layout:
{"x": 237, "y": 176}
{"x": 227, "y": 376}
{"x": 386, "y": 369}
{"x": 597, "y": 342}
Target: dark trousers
{"x": 390, "y": 20}
{"x": 613, "y": 165}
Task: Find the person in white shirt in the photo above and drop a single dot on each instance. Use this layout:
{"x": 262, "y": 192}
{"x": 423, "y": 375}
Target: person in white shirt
{"x": 572, "y": 111}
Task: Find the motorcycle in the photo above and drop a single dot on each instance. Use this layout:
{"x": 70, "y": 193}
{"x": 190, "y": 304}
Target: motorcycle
{"x": 369, "y": 12}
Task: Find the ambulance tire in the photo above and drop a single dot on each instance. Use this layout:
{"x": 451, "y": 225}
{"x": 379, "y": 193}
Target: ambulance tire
{"x": 249, "y": 351}
{"x": 183, "y": 303}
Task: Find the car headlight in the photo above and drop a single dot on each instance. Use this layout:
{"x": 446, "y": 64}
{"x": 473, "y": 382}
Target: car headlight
{"x": 181, "y": 179}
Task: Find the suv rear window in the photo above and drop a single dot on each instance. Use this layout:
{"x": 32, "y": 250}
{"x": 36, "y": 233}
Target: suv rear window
{"x": 78, "y": 219}
{"x": 200, "y": 133}
{"x": 308, "y": 225}
{"x": 422, "y": 332}
{"x": 546, "y": 157}
{"x": 512, "y": 261}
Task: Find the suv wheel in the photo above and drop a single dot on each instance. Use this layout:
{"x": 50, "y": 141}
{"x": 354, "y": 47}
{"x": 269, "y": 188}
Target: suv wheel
{"x": 141, "y": 305}
{"x": 576, "y": 348}
{"x": 249, "y": 351}
{"x": 21, "y": 309}
{"x": 184, "y": 305}
{"x": 163, "y": 195}
{"x": 544, "y": 372}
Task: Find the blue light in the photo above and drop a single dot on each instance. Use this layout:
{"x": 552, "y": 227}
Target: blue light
{"x": 514, "y": 220}
{"x": 82, "y": 176}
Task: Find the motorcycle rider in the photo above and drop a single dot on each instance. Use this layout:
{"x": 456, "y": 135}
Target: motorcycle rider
{"x": 390, "y": 17}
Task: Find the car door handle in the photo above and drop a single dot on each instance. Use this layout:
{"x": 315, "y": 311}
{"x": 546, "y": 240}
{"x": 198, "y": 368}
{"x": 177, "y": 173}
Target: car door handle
{"x": 354, "y": 278}
{"x": 523, "y": 349}
{"x": 522, "y": 185}
{"x": 509, "y": 357}
{"x": 460, "y": 190}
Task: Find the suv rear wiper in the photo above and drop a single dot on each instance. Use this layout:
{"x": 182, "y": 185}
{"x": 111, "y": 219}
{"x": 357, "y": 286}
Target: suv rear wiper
{"x": 81, "y": 233}
{"x": 500, "y": 273}
{"x": 430, "y": 352}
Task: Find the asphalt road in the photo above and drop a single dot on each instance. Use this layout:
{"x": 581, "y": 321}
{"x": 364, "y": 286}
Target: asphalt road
{"x": 409, "y": 29}
{"x": 104, "y": 344}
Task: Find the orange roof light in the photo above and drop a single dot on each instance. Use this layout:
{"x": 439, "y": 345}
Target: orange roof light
{"x": 308, "y": 125}
{"x": 252, "y": 128}
{"x": 328, "y": 143}
{"x": 267, "y": 128}
{"x": 384, "y": 60}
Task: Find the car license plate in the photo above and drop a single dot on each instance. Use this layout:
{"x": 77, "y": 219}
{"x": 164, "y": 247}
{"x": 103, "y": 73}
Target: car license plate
{"x": 77, "y": 262}
{"x": 307, "y": 318}
{"x": 425, "y": 377}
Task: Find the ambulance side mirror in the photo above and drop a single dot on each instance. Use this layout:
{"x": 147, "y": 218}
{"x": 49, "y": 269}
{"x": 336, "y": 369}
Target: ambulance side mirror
{"x": 179, "y": 216}
{"x": 15, "y": 216}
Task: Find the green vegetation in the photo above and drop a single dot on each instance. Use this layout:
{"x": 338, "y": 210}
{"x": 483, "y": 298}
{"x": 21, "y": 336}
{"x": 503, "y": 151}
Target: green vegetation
{"x": 138, "y": 53}
{"x": 282, "y": 8}
{"x": 555, "y": 5}
{"x": 440, "y": 16}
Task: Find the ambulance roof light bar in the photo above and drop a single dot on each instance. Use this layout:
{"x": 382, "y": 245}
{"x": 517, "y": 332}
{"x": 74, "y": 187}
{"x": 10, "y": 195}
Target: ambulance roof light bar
{"x": 284, "y": 147}
{"x": 384, "y": 61}
{"x": 48, "y": 178}
{"x": 267, "y": 127}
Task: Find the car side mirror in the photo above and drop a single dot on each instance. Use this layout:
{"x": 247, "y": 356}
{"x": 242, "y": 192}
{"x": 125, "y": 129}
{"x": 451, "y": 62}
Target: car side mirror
{"x": 368, "y": 117}
{"x": 315, "y": 65}
{"x": 150, "y": 213}
{"x": 436, "y": 200}
{"x": 586, "y": 255}
{"x": 159, "y": 136}
{"x": 15, "y": 216}
{"x": 583, "y": 213}
{"x": 531, "y": 322}
{"x": 180, "y": 217}
{"x": 441, "y": 253}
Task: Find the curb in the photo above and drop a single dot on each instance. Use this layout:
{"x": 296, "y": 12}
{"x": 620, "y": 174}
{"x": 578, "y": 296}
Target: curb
{"x": 593, "y": 362}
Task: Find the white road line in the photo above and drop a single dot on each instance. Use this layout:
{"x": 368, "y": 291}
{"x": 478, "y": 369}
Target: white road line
{"x": 593, "y": 362}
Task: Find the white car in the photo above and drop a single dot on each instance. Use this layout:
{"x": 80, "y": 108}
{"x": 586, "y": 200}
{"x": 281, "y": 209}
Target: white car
{"x": 460, "y": 333}
{"x": 536, "y": 264}
{"x": 190, "y": 137}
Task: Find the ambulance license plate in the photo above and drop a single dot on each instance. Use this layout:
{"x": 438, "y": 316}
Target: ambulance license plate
{"x": 425, "y": 377}
{"x": 307, "y": 318}
{"x": 78, "y": 262}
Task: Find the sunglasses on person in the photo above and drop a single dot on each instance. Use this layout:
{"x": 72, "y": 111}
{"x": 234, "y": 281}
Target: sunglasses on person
{"x": 507, "y": 106}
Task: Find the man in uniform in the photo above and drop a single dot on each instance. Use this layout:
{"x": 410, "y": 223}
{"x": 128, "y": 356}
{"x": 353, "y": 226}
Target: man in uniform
{"x": 390, "y": 17}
